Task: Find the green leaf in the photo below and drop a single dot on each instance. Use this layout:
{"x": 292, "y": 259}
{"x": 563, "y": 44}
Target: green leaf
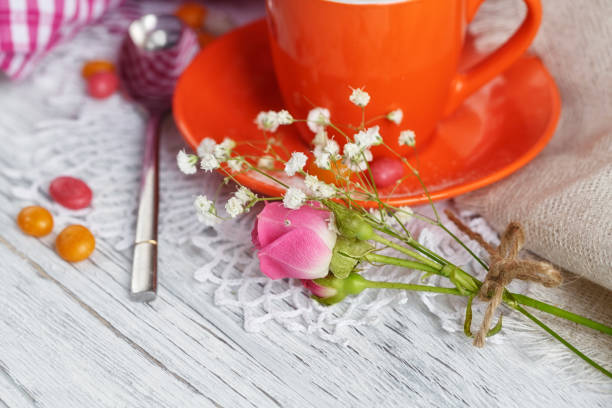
{"x": 346, "y": 256}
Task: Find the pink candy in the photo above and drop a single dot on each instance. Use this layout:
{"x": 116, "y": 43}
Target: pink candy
{"x": 387, "y": 171}
{"x": 70, "y": 192}
{"x": 102, "y": 84}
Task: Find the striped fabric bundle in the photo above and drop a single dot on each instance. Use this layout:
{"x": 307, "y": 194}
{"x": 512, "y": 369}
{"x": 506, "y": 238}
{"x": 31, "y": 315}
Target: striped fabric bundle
{"x": 30, "y": 28}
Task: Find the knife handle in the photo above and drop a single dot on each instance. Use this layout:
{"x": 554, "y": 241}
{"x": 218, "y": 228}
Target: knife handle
{"x": 144, "y": 266}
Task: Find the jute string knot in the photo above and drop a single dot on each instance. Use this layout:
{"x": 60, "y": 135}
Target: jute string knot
{"x": 504, "y": 267}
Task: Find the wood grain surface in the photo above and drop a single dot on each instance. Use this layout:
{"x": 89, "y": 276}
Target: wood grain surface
{"x": 70, "y": 336}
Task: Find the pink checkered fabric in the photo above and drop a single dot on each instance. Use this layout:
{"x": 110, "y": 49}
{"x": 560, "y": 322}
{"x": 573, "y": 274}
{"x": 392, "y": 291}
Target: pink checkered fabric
{"x": 30, "y": 28}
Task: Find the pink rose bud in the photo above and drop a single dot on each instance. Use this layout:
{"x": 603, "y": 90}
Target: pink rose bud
{"x": 331, "y": 290}
{"x": 319, "y": 291}
{"x": 294, "y": 243}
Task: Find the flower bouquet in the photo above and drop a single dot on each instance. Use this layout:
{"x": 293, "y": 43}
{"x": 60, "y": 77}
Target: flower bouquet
{"x": 320, "y": 232}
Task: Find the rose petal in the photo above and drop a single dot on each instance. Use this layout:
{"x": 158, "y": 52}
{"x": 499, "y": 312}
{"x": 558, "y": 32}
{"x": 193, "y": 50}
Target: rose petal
{"x": 300, "y": 253}
{"x": 275, "y": 220}
{"x": 270, "y": 224}
{"x": 318, "y": 290}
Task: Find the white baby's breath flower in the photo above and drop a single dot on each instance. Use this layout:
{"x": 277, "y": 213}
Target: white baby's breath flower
{"x": 320, "y": 138}
{"x": 284, "y": 118}
{"x": 378, "y": 213}
{"x": 331, "y": 147}
{"x": 207, "y": 145}
{"x": 209, "y": 162}
{"x": 359, "y": 97}
{"x": 234, "y": 207}
{"x": 319, "y": 188}
{"x": 244, "y": 195}
{"x": 351, "y": 151}
{"x": 228, "y": 144}
{"x": 206, "y": 211}
{"x": 396, "y": 116}
{"x": 407, "y": 137}
{"x": 186, "y": 162}
{"x": 235, "y": 164}
{"x": 318, "y": 119}
{"x": 267, "y": 121}
{"x": 404, "y": 214}
{"x": 311, "y": 182}
{"x": 357, "y": 165}
{"x": 223, "y": 150}
{"x": 369, "y": 137}
{"x": 294, "y": 198}
{"x": 266, "y": 162}
{"x": 322, "y": 158}
{"x": 295, "y": 163}
{"x": 203, "y": 204}
{"x": 325, "y": 191}
{"x": 355, "y": 157}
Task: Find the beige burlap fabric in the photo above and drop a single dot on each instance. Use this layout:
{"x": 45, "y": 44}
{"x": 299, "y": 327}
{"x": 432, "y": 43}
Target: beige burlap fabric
{"x": 563, "y": 198}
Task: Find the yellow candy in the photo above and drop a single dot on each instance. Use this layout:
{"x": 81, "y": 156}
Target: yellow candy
{"x": 75, "y": 243}
{"x": 36, "y": 221}
{"x": 95, "y": 67}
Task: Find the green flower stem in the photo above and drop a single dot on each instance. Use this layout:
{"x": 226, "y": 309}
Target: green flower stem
{"x": 407, "y": 286}
{"x": 263, "y": 173}
{"x": 433, "y": 256}
{"x": 562, "y": 340}
{"x": 422, "y": 249}
{"x": 545, "y": 307}
{"x": 388, "y": 260}
{"x": 405, "y": 251}
{"x": 510, "y": 299}
{"x": 470, "y": 285}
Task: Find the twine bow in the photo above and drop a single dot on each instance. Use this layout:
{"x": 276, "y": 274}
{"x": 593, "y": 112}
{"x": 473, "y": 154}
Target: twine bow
{"x": 504, "y": 267}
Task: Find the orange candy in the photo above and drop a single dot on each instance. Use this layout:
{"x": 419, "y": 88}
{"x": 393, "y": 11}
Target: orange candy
{"x": 192, "y": 14}
{"x": 35, "y": 221}
{"x": 75, "y": 243}
{"x": 329, "y": 176}
{"x": 95, "y": 67}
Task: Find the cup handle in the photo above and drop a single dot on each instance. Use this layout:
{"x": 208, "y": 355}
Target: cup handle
{"x": 464, "y": 84}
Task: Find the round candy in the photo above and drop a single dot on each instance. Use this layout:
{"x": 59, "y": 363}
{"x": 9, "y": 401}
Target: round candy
{"x": 35, "y": 221}
{"x": 96, "y": 66}
{"x": 192, "y": 14}
{"x": 102, "y": 84}
{"x": 386, "y": 171}
{"x": 75, "y": 243}
{"x": 70, "y": 192}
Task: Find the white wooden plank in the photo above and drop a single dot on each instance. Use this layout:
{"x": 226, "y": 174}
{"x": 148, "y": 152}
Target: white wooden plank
{"x": 12, "y": 393}
{"x": 383, "y": 366}
{"x": 61, "y": 354}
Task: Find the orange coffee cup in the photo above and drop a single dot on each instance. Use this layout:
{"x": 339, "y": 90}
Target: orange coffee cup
{"x": 404, "y": 53}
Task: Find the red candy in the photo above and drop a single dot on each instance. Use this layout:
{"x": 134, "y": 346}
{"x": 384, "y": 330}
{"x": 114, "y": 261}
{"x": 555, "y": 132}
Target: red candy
{"x": 70, "y": 192}
{"x": 102, "y": 84}
{"x": 387, "y": 171}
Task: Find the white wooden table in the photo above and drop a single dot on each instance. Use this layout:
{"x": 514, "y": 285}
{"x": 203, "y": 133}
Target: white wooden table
{"x": 70, "y": 336}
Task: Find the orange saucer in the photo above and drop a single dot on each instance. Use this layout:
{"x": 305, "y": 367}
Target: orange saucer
{"x": 496, "y": 131}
